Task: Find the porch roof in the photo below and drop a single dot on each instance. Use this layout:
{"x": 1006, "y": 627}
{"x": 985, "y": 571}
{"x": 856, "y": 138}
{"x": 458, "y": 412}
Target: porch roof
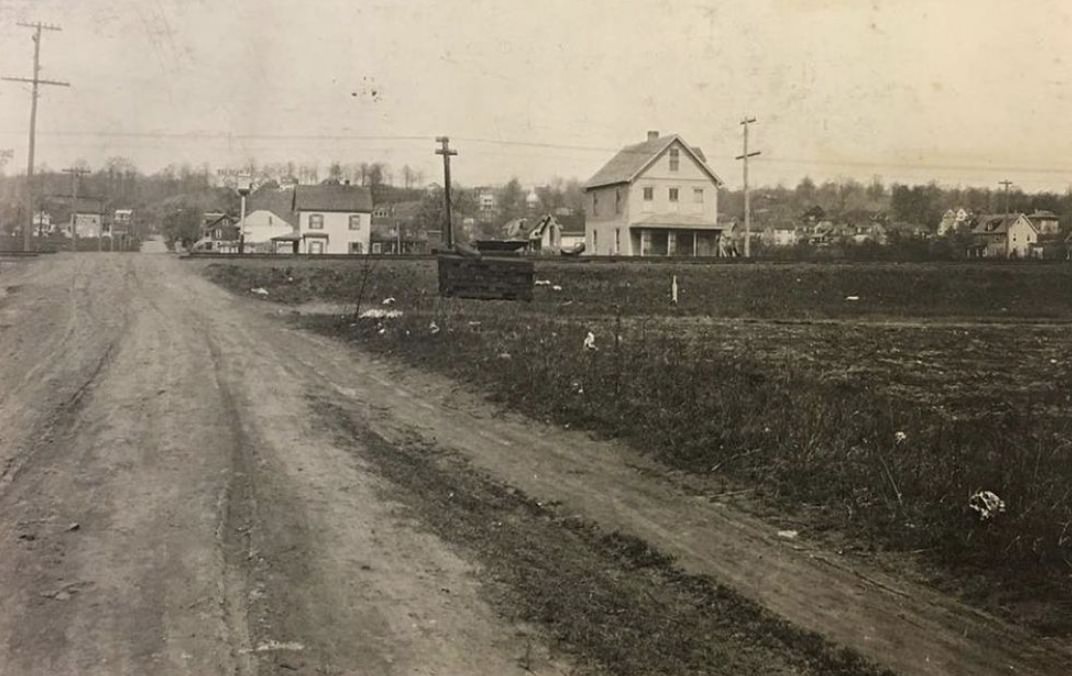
{"x": 677, "y": 222}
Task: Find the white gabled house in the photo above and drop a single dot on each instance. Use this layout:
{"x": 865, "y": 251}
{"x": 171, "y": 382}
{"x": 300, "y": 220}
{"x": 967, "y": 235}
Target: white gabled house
{"x": 1003, "y": 236}
{"x": 333, "y": 218}
{"x": 656, "y": 198}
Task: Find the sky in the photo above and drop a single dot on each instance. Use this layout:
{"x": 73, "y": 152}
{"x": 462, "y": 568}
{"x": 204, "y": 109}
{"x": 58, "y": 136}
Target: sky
{"x": 966, "y": 93}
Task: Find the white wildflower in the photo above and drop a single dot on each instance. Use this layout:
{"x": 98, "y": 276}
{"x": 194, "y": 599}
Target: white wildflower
{"x": 377, "y": 313}
{"x": 900, "y": 437}
{"x": 590, "y": 342}
{"x": 543, "y": 282}
{"x": 986, "y": 504}
{"x": 260, "y": 291}
{"x": 556, "y": 287}
{"x": 389, "y": 301}
{"x": 433, "y": 328}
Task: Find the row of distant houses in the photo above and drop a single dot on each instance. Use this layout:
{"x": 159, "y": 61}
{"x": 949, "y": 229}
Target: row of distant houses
{"x": 84, "y": 217}
{"x": 658, "y": 197}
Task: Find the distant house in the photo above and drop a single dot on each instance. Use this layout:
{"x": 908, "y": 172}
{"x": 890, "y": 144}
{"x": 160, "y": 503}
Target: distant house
{"x": 952, "y": 219}
{"x": 487, "y": 204}
{"x": 88, "y": 218}
{"x": 546, "y": 236}
{"x": 1045, "y": 222}
{"x": 1002, "y": 236}
{"x": 270, "y": 225}
{"x": 42, "y": 224}
{"x": 333, "y": 219}
{"x": 219, "y": 235}
{"x": 122, "y": 221}
{"x": 572, "y": 235}
{"x": 822, "y": 234}
{"x": 656, "y": 198}
{"x": 395, "y": 229}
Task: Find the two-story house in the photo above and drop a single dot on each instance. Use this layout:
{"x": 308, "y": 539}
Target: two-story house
{"x": 333, "y": 218}
{"x": 656, "y": 198}
{"x": 1003, "y": 235}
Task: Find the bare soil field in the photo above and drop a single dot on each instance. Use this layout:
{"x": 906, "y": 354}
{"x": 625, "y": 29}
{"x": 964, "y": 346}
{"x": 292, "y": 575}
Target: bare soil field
{"x": 872, "y": 401}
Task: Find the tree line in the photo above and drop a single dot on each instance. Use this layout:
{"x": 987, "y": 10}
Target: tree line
{"x": 854, "y": 202}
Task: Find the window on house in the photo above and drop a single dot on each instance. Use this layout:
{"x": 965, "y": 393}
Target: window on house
{"x": 673, "y": 194}
{"x": 316, "y": 221}
{"x": 649, "y": 194}
{"x": 377, "y": 247}
{"x": 595, "y": 241}
{"x": 618, "y": 200}
{"x": 355, "y": 222}
{"x": 595, "y": 204}
{"x": 697, "y": 195}
{"x": 675, "y": 159}
{"x": 617, "y": 240}
{"x": 269, "y": 220}
{"x": 355, "y": 248}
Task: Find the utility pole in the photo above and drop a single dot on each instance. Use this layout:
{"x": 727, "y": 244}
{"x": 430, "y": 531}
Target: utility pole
{"x": 747, "y": 200}
{"x": 76, "y": 173}
{"x": 36, "y": 81}
{"x": 1006, "y": 184}
{"x": 446, "y": 152}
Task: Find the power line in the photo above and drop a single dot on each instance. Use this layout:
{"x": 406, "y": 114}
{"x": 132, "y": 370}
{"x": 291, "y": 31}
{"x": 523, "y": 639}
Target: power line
{"x": 37, "y": 82}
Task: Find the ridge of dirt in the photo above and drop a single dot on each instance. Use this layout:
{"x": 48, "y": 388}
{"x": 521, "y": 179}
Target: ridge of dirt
{"x": 613, "y": 601}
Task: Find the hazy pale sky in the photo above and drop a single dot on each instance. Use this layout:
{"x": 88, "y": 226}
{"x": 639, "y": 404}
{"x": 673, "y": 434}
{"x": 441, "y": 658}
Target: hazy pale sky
{"x": 959, "y": 91}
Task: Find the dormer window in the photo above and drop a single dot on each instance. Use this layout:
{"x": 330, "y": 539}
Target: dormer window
{"x": 675, "y": 159}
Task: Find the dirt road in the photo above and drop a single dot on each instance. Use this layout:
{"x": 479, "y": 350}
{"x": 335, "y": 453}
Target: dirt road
{"x": 189, "y": 485}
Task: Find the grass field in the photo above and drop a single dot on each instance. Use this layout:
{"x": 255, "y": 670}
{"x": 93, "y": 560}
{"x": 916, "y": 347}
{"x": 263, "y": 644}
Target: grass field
{"x": 877, "y": 398}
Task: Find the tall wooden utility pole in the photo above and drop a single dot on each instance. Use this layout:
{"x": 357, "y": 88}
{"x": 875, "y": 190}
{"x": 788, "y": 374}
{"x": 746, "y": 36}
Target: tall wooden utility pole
{"x": 1006, "y": 184}
{"x": 36, "y": 81}
{"x": 747, "y": 199}
{"x": 76, "y": 173}
{"x": 446, "y": 152}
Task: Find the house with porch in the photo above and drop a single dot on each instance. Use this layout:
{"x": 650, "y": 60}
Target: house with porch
{"x": 656, "y": 198}
{"x": 333, "y": 218}
{"x": 1003, "y": 236}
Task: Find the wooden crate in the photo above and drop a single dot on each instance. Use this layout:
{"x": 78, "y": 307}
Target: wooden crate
{"x": 491, "y": 278}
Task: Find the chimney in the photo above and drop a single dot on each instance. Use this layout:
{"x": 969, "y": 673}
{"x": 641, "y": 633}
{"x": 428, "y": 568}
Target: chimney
{"x": 652, "y": 135}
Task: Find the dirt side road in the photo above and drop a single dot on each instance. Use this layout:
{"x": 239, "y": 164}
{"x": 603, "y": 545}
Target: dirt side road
{"x": 176, "y": 497}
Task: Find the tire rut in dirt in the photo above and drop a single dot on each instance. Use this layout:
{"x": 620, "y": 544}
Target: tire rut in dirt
{"x": 610, "y": 600}
{"x": 60, "y": 421}
{"x": 234, "y": 532}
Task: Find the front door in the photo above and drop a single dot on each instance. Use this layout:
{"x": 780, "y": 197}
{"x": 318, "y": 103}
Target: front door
{"x": 316, "y": 246}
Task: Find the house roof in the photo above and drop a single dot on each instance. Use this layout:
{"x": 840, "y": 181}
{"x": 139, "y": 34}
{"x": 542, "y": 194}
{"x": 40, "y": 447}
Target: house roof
{"x": 345, "y": 198}
{"x": 998, "y": 224}
{"x": 279, "y": 201}
{"x": 632, "y": 160}
{"x": 1043, "y": 214}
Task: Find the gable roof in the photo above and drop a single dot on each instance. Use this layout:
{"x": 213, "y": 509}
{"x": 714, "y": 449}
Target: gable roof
{"x": 279, "y": 201}
{"x": 632, "y": 160}
{"x": 345, "y": 198}
{"x": 999, "y": 224}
